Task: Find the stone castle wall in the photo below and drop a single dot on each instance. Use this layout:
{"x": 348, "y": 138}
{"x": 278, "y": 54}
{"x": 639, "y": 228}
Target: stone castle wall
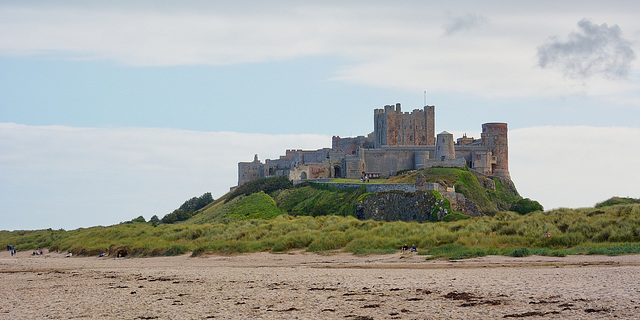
{"x": 398, "y": 145}
{"x": 495, "y": 139}
{"x": 392, "y": 127}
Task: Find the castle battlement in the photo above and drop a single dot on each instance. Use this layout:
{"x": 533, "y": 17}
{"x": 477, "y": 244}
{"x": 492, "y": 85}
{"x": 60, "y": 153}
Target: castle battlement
{"x": 400, "y": 141}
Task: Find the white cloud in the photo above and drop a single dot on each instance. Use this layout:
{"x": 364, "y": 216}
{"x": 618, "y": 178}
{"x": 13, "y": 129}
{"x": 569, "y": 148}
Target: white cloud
{"x": 574, "y": 166}
{"x": 385, "y": 45}
{"x": 64, "y": 177}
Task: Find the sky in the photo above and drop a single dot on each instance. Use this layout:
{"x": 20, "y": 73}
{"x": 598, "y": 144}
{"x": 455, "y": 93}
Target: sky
{"x": 114, "y": 109}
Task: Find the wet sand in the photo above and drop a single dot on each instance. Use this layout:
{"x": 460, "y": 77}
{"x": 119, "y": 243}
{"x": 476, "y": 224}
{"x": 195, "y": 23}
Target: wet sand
{"x": 312, "y": 286}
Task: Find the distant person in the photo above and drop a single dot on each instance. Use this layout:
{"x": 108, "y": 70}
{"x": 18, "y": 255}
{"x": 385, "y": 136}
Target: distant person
{"x": 405, "y": 248}
{"x": 414, "y": 249}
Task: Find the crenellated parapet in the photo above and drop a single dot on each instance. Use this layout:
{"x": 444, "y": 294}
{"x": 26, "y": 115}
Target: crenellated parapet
{"x": 392, "y": 127}
{"x": 401, "y": 141}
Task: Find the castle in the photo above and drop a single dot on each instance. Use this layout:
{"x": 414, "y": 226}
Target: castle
{"x": 400, "y": 141}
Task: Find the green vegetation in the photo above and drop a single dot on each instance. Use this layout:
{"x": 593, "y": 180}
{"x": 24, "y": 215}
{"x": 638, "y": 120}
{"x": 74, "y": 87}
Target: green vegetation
{"x": 266, "y": 185}
{"x": 526, "y": 205}
{"x": 309, "y": 199}
{"x": 616, "y": 200}
{"x": 491, "y": 195}
{"x": 610, "y": 230}
{"x": 187, "y": 210}
{"x": 271, "y": 214}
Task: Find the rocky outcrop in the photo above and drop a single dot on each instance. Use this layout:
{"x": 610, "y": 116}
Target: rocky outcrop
{"x": 461, "y": 204}
{"x": 420, "y": 206}
{"x": 429, "y": 202}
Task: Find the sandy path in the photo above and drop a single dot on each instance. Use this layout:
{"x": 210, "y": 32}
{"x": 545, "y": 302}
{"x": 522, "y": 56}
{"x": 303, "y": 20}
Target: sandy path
{"x": 312, "y": 286}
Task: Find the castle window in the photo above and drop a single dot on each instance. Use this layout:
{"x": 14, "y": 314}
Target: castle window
{"x": 423, "y": 138}
{"x": 410, "y": 138}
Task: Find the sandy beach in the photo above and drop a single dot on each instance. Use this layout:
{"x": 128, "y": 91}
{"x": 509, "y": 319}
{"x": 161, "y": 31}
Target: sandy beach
{"x": 312, "y": 286}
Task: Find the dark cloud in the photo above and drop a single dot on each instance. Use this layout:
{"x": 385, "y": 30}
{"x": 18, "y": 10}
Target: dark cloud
{"x": 457, "y": 24}
{"x": 594, "y": 50}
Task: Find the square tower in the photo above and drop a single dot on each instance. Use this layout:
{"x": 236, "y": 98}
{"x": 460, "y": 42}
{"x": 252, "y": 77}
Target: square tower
{"x": 392, "y": 127}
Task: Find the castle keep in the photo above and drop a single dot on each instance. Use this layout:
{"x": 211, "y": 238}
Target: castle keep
{"x": 400, "y": 141}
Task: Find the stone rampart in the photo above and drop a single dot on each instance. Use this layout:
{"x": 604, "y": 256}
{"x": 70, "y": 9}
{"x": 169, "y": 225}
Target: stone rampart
{"x": 401, "y": 206}
{"x": 387, "y": 187}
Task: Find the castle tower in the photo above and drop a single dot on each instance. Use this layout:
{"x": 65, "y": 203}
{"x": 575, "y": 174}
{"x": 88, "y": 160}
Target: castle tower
{"x": 494, "y": 138}
{"x": 430, "y": 121}
{"x": 444, "y": 146}
{"x": 392, "y": 127}
{"x": 248, "y": 171}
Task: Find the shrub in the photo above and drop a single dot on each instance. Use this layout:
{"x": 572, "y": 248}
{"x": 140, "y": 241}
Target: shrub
{"x": 373, "y": 244}
{"x": 295, "y": 240}
{"x": 332, "y": 241}
{"x": 520, "y": 252}
{"x": 139, "y": 219}
{"x": 456, "y": 251}
{"x": 176, "y": 250}
{"x": 615, "y": 201}
{"x": 266, "y": 185}
{"x": 526, "y": 205}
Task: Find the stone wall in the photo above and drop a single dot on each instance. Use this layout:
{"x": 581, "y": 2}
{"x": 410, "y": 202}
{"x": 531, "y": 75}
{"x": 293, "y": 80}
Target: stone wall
{"x": 387, "y": 161}
{"x": 447, "y": 163}
{"x": 412, "y": 206}
{"x": 461, "y": 204}
{"x": 401, "y": 206}
{"x": 393, "y": 127}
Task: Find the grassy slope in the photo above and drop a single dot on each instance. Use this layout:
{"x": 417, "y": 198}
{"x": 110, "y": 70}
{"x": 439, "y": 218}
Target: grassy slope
{"x": 259, "y": 222}
{"x": 610, "y": 230}
{"x": 311, "y": 200}
{"x": 468, "y": 183}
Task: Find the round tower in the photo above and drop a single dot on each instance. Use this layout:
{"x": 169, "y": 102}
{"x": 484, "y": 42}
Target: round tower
{"x": 494, "y": 138}
{"x": 444, "y": 146}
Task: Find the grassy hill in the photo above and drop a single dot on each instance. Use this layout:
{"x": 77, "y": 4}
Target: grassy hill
{"x": 259, "y": 200}
{"x": 273, "y": 215}
{"x": 268, "y": 197}
{"x": 490, "y": 194}
{"x": 608, "y": 230}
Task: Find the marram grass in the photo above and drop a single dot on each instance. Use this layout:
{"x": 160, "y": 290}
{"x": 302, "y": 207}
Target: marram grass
{"x": 612, "y": 230}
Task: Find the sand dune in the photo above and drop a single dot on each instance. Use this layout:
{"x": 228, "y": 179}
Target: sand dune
{"x": 312, "y": 286}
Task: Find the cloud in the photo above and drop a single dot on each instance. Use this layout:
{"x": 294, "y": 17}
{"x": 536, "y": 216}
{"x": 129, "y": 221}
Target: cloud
{"x": 67, "y": 177}
{"x": 461, "y": 23}
{"x": 594, "y": 50}
{"x": 574, "y": 166}
{"x": 376, "y": 43}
